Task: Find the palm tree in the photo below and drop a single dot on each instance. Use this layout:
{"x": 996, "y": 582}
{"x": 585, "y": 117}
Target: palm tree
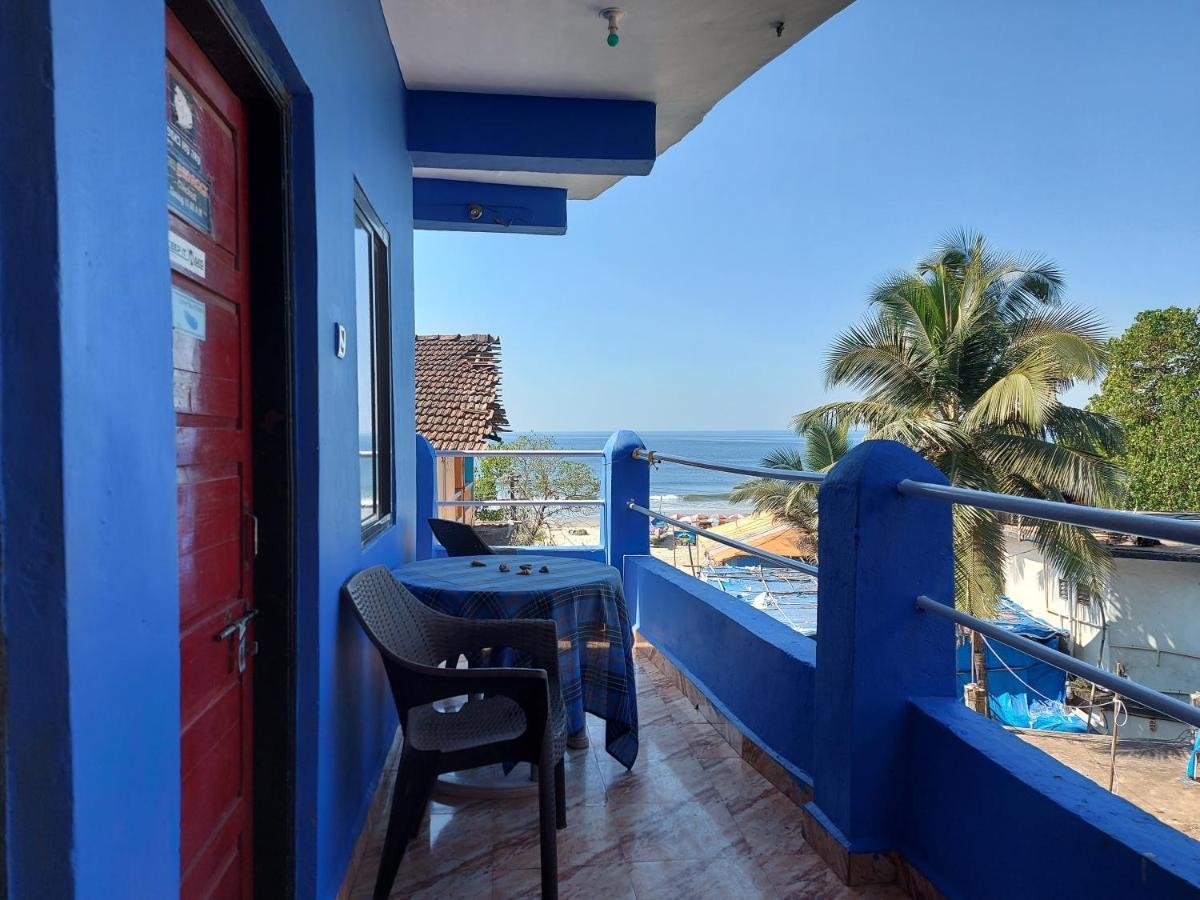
{"x": 964, "y": 360}
{"x": 796, "y": 502}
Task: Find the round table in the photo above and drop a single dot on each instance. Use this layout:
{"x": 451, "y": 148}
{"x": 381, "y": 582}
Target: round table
{"x": 586, "y": 602}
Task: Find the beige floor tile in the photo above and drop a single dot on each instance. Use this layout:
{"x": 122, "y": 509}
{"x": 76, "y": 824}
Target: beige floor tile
{"x": 706, "y": 742}
{"x": 689, "y": 830}
{"x": 691, "y": 820}
{"x": 574, "y": 883}
{"x": 734, "y": 778}
{"x": 651, "y": 781}
{"x": 468, "y": 885}
{"x": 723, "y": 876}
{"x": 662, "y": 742}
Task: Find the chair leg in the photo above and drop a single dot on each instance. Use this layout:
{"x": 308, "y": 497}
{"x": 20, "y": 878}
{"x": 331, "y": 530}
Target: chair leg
{"x": 398, "y": 828}
{"x": 546, "y": 825}
{"x": 560, "y": 794}
{"x": 422, "y": 788}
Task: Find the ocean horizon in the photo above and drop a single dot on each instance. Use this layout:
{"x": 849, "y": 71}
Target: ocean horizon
{"x": 685, "y": 490}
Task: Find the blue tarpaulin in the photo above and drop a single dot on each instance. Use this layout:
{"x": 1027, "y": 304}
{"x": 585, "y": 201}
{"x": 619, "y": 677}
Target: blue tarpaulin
{"x": 1022, "y": 711}
{"x": 1034, "y": 690}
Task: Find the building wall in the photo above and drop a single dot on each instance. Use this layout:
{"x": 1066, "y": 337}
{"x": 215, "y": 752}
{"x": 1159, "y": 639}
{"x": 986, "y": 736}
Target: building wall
{"x": 451, "y": 485}
{"x": 90, "y": 596}
{"x": 345, "y": 56}
{"x": 1153, "y": 628}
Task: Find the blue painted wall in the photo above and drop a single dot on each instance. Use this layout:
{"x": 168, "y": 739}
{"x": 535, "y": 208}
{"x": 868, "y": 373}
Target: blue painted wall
{"x": 521, "y": 133}
{"x": 32, "y": 566}
{"x": 426, "y": 496}
{"x": 118, "y": 441}
{"x": 878, "y": 550}
{"x": 986, "y": 815}
{"x": 90, "y": 576}
{"x": 443, "y": 205}
{"x": 90, "y": 616}
{"x": 346, "y": 720}
{"x": 755, "y": 669}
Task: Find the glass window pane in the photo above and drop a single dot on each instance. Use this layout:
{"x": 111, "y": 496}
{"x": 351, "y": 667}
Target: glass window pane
{"x": 364, "y": 340}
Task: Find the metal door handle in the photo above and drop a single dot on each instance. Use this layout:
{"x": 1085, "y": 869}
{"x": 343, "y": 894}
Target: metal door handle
{"x": 238, "y": 627}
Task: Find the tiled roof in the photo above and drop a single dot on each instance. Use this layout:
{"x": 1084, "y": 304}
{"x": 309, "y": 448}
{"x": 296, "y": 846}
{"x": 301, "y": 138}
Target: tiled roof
{"x": 458, "y": 390}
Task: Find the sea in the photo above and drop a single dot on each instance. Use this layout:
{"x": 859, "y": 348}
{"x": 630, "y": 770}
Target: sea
{"x": 676, "y": 489}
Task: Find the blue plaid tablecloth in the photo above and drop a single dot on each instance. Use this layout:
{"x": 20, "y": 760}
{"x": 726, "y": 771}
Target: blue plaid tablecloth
{"x": 585, "y": 600}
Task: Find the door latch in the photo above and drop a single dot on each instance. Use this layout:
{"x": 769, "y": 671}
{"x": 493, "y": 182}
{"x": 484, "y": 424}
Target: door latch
{"x": 252, "y": 542}
{"x": 238, "y": 627}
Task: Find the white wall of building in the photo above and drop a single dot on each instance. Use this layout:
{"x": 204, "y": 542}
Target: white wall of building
{"x": 1150, "y": 612}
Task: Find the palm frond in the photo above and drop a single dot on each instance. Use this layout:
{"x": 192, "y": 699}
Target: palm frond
{"x": 1073, "y": 337}
{"x": 824, "y": 445}
{"x": 1026, "y": 393}
{"x": 1056, "y": 470}
{"x": 979, "y": 556}
{"x": 1085, "y": 430}
{"x": 889, "y": 421}
{"x": 785, "y": 458}
{"x": 1074, "y": 553}
{"x": 877, "y": 355}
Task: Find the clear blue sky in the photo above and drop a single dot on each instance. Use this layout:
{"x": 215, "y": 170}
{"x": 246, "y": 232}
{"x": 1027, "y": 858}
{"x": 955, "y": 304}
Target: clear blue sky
{"x": 1068, "y": 128}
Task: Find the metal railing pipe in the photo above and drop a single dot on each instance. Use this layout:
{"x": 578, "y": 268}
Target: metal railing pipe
{"x": 463, "y": 454}
{"x": 478, "y": 503}
{"x": 728, "y": 542}
{"x": 653, "y": 456}
{"x": 1163, "y": 528}
{"x": 1168, "y": 706}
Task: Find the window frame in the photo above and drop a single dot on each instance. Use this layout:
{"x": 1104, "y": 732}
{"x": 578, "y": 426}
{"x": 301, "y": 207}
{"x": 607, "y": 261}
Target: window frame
{"x": 382, "y": 413}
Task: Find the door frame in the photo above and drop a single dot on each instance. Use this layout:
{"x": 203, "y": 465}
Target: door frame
{"x": 240, "y": 40}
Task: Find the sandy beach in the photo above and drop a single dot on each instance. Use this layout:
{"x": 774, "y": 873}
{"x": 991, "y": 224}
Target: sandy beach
{"x": 756, "y": 528}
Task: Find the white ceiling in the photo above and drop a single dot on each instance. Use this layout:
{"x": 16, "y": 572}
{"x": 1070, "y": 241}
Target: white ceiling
{"x": 684, "y": 55}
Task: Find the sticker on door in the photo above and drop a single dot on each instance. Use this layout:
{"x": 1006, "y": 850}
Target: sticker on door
{"x": 188, "y": 314}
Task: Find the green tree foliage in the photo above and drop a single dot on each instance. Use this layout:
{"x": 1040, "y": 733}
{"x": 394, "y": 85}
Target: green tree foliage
{"x": 796, "y": 502}
{"x": 532, "y": 478}
{"x": 964, "y": 360}
{"x": 1153, "y": 389}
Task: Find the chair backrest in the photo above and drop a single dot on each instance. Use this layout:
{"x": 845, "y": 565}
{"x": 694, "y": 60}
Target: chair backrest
{"x": 458, "y": 539}
{"x": 403, "y": 628}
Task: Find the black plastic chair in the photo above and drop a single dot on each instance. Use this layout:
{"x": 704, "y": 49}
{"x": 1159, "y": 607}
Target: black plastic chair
{"x": 458, "y": 538}
{"x": 515, "y": 714}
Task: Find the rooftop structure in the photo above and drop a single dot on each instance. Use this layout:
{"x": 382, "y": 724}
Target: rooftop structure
{"x": 675, "y": 61}
{"x": 458, "y": 404}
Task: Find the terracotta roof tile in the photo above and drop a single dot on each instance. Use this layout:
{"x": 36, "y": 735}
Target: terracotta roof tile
{"x": 458, "y": 390}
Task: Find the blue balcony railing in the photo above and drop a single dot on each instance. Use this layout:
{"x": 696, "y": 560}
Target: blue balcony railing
{"x": 866, "y": 720}
{"x": 1120, "y": 521}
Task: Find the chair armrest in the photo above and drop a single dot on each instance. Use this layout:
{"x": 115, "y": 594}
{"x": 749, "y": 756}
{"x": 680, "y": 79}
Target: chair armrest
{"x": 536, "y": 637}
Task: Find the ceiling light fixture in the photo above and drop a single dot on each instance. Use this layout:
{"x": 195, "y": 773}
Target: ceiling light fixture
{"x": 613, "y": 14}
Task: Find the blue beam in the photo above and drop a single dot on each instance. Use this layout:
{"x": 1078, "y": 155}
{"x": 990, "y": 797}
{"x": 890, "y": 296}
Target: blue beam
{"x": 443, "y": 205}
{"x": 516, "y": 133}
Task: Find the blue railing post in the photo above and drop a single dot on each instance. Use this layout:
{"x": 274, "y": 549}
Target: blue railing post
{"x": 426, "y": 497}
{"x": 878, "y": 551}
{"x": 625, "y": 532}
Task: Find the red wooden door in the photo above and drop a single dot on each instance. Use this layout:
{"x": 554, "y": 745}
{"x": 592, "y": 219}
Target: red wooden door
{"x": 206, "y": 163}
